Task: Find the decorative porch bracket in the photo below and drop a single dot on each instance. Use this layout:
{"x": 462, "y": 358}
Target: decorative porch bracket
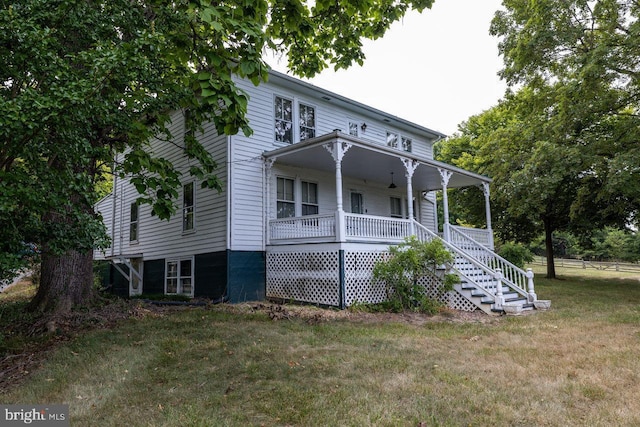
{"x": 338, "y": 149}
{"x": 487, "y": 206}
{"x": 445, "y": 176}
{"x": 410, "y": 167}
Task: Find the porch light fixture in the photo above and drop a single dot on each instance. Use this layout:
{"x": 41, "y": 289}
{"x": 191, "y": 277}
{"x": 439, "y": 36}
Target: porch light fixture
{"x": 363, "y": 127}
{"x": 392, "y": 185}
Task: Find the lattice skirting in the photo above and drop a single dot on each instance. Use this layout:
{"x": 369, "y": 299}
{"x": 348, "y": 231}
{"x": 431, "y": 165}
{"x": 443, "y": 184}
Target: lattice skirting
{"x": 304, "y": 276}
{"x": 314, "y": 277}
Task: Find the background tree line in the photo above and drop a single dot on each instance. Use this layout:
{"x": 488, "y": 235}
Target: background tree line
{"x": 563, "y": 145}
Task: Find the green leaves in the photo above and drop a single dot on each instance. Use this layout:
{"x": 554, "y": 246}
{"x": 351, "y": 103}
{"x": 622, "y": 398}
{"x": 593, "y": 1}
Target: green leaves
{"x": 407, "y": 264}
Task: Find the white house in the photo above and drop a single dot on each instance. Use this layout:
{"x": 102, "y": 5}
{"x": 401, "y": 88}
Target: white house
{"x": 311, "y": 201}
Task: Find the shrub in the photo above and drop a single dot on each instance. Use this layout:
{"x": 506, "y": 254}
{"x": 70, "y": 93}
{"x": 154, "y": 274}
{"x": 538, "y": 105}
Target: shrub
{"x": 515, "y": 253}
{"x": 406, "y": 265}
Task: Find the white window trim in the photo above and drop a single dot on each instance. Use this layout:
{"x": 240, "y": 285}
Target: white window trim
{"x": 294, "y": 113}
{"x": 400, "y": 136}
{"x": 361, "y": 193}
{"x": 136, "y": 222}
{"x": 295, "y": 118}
{"x": 302, "y": 202}
{"x": 315, "y": 118}
{"x": 178, "y": 277}
{"x": 354, "y": 122}
{"x": 194, "y": 206}
{"x": 296, "y": 196}
{"x": 396, "y": 215}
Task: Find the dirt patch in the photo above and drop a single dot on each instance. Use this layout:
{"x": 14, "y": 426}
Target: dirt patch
{"x": 313, "y": 314}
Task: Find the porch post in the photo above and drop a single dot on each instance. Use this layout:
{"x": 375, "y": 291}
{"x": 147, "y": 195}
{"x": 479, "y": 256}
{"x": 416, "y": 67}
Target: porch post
{"x": 268, "y": 163}
{"x": 410, "y": 167}
{"x": 487, "y": 207}
{"x": 337, "y": 150}
{"x": 445, "y": 175}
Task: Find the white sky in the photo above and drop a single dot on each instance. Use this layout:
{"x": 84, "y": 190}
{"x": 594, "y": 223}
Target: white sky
{"x": 436, "y": 69}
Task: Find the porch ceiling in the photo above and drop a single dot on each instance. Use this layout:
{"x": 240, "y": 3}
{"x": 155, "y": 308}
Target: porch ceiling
{"x": 372, "y": 162}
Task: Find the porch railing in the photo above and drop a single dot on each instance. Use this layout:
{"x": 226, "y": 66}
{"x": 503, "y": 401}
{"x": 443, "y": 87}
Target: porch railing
{"x": 514, "y": 276}
{"x": 376, "y": 227}
{"x": 482, "y": 236}
{"x": 357, "y": 227}
{"x": 304, "y": 227}
{"x": 424, "y": 234}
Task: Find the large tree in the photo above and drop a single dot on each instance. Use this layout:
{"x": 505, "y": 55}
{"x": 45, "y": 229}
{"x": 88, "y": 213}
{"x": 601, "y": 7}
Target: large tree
{"x": 563, "y": 148}
{"x": 589, "y": 53}
{"x": 83, "y": 80}
{"x": 536, "y": 177}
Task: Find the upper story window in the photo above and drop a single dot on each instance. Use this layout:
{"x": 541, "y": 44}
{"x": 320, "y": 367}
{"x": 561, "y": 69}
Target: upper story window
{"x": 286, "y": 203}
{"x": 353, "y": 128}
{"x": 133, "y": 222}
{"x": 392, "y": 139}
{"x": 395, "y": 140}
{"x": 188, "y": 206}
{"x": 309, "y": 198}
{"x": 307, "y": 122}
{"x": 293, "y": 121}
{"x": 284, "y": 120}
{"x": 406, "y": 144}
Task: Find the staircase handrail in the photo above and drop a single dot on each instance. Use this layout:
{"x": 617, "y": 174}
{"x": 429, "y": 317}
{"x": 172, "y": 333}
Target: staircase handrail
{"x": 515, "y": 277}
{"x": 424, "y": 234}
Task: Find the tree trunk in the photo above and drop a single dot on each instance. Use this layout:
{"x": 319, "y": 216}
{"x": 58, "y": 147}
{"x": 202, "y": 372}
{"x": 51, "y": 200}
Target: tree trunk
{"x": 66, "y": 282}
{"x": 548, "y": 243}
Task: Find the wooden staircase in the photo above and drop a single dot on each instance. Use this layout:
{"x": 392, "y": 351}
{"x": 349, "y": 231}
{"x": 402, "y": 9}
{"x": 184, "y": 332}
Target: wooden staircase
{"x": 480, "y": 287}
{"x": 488, "y": 281}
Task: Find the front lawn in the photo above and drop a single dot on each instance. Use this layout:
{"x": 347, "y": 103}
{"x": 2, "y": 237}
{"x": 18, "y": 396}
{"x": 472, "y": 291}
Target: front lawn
{"x": 576, "y": 364}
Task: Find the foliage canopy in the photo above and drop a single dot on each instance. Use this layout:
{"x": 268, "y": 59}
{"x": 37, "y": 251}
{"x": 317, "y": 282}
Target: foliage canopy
{"x": 83, "y": 80}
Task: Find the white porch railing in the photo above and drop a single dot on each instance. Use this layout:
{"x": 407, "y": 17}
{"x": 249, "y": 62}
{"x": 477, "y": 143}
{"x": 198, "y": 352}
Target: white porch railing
{"x": 424, "y": 234}
{"x": 304, "y": 227}
{"x": 357, "y": 227}
{"x": 482, "y": 236}
{"x": 376, "y": 227}
{"x": 514, "y": 276}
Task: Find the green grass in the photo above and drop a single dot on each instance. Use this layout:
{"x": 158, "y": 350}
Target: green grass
{"x": 576, "y": 364}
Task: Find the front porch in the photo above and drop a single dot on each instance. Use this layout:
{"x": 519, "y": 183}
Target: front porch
{"x": 327, "y": 256}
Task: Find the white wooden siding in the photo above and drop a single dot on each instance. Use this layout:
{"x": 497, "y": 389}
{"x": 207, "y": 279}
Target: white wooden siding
{"x": 164, "y": 239}
{"x": 246, "y": 172}
{"x": 237, "y": 221}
